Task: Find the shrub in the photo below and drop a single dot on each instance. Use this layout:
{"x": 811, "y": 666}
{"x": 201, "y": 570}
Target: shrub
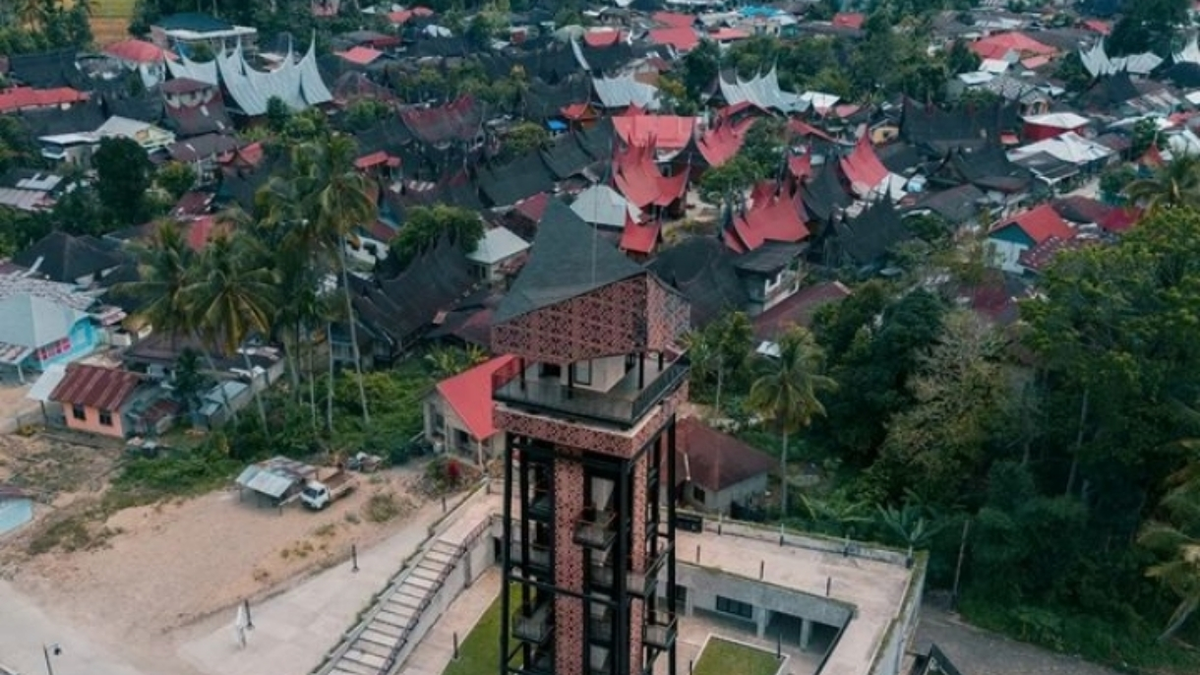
{"x": 381, "y": 507}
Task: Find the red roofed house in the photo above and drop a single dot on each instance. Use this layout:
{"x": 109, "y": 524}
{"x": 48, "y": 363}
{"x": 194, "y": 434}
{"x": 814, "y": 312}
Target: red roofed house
{"x": 682, "y": 39}
{"x": 1012, "y": 236}
{"x": 458, "y": 414}
{"x": 28, "y": 98}
{"x": 716, "y": 471}
{"x": 134, "y": 53}
{"x": 640, "y": 239}
{"x": 999, "y": 45}
{"x": 94, "y": 398}
{"x": 853, "y": 20}
{"x": 662, "y": 132}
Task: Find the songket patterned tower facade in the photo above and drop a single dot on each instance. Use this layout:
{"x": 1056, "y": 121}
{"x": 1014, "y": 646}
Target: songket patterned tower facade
{"x": 588, "y": 552}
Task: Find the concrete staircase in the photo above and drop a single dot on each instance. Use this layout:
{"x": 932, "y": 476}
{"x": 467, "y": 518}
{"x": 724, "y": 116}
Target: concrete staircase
{"x": 374, "y": 646}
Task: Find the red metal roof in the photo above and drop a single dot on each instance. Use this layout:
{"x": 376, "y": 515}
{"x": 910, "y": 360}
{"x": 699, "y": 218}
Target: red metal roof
{"x": 682, "y": 39}
{"x": 21, "y": 98}
{"x": 95, "y": 387}
{"x": 603, "y": 38}
{"x": 1040, "y": 224}
{"x": 1039, "y": 257}
{"x": 1098, "y": 26}
{"x": 723, "y": 141}
{"x": 139, "y": 51}
{"x": 640, "y": 237}
{"x": 999, "y": 45}
{"x": 470, "y": 393}
{"x": 578, "y": 111}
{"x": 674, "y": 19}
{"x": 533, "y": 207}
{"x": 800, "y": 166}
{"x": 725, "y": 34}
{"x": 373, "y": 159}
{"x": 361, "y": 56}
{"x": 1120, "y": 219}
{"x": 638, "y": 178}
{"x": 773, "y": 217}
{"x": 203, "y": 229}
{"x": 863, "y": 168}
{"x": 663, "y": 132}
{"x": 853, "y": 20}
{"x": 804, "y": 130}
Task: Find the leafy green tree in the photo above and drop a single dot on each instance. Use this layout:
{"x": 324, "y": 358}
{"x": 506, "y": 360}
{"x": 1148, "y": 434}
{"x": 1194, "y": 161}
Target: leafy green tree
{"x": 764, "y": 147}
{"x": 188, "y": 381}
{"x": 230, "y": 294}
{"x": 365, "y": 112}
{"x": 1145, "y": 134}
{"x": 1148, "y": 25}
{"x": 444, "y": 362}
{"x": 1177, "y": 184}
{"x": 960, "y": 59}
{"x": 787, "y": 394}
{"x": 427, "y": 225}
{"x": 1073, "y": 74}
{"x": 176, "y": 178}
{"x": 277, "y": 114}
{"x": 938, "y": 444}
{"x": 1175, "y": 538}
{"x": 315, "y": 209}
{"x": 724, "y": 184}
{"x": 721, "y": 350}
{"x": 122, "y": 177}
{"x": 700, "y": 69}
{"x": 524, "y": 138}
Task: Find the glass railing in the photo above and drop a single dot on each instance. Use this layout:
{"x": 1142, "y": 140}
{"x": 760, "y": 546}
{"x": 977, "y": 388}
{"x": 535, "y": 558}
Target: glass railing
{"x": 531, "y": 623}
{"x": 594, "y": 529}
{"x": 659, "y": 630}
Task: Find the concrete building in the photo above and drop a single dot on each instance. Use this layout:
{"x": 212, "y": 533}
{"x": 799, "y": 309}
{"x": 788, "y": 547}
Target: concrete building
{"x": 94, "y": 398}
{"x": 589, "y": 426}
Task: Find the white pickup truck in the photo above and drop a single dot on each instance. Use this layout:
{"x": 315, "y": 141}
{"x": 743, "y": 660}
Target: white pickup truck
{"x": 319, "y": 493}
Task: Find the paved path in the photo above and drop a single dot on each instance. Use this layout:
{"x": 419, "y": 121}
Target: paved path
{"x": 979, "y": 652}
{"x": 294, "y": 630}
{"x": 24, "y": 628}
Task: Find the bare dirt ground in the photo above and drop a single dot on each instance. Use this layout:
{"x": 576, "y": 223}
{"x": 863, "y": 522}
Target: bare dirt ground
{"x": 155, "y": 568}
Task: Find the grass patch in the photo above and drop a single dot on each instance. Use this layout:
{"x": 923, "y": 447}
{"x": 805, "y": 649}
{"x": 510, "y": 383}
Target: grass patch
{"x": 480, "y": 652}
{"x": 722, "y": 657}
{"x": 113, "y": 9}
{"x": 382, "y": 507}
{"x": 177, "y": 473}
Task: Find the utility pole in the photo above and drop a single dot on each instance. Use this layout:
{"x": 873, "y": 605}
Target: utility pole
{"x": 962, "y": 549}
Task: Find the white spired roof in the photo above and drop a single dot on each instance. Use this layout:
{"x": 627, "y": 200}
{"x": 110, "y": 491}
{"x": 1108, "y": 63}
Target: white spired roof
{"x": 604, "y": 206}
{"x": 624, "y": 91}
{"x": 1097, "y": 61}
{"x": 498, "y": 244}
{"x": 762, "y": 91}
{"x": 297, "y": 83}
{"x": 205, "y": 72}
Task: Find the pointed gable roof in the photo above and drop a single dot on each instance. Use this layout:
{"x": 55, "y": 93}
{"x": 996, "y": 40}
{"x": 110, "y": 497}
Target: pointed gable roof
{"x": 64, "y": 258}
{"x": 568, "y": 260}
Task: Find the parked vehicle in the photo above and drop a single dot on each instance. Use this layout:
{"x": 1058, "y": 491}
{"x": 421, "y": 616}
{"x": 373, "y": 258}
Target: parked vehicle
{"x": 318, "y": 494}
{"x": 364, "y": 463}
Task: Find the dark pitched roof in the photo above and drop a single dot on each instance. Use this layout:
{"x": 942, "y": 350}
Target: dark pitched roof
{"x": 823, "y": 194}
{"x": 957, "y": 205}
{"x": 937, "y": 131}
{"x": 64, "y": 258}
{"x": 200, "y": 23}
{"x": 523, "y": 177}
{"x": 716, "y": 461}
{"x": 568, "y": 260}
{"x": 46, "y": 70}
{"x": 866, "y": 238}
{"x": 1109, "y": 92}
{"x": 396, "y": 308}
{"x": 987, "y": 167}
{"x": 95, "y": 386}
{"x": 771, "y": 257}
{"x": 702, "y": 269}
{"x": 567, "y": 157}
{"x": 79, "y": 118}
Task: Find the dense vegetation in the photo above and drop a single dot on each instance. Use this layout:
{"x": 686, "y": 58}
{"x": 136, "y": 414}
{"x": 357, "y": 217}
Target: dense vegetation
{"x": 1061, "y": 442}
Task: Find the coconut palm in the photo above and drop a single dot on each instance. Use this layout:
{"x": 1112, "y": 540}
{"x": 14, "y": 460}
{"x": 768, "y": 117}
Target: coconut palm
{"x": 787, "y": 393}
{"x": 315, "y": 209}
{"x": 163, "y": 265}
{"x": 231, "y": 295}
{"x": 1175, "y": 184}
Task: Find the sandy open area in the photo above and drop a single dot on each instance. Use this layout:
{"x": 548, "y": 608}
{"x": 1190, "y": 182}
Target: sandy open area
{"x": 165, "y": 566}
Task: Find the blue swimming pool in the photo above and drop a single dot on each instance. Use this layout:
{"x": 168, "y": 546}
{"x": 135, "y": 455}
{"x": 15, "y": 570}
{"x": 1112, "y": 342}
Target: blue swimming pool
{"x": 14, "y": 513}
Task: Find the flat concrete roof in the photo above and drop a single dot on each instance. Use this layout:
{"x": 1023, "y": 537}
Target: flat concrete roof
{"x": 875, "y": 588}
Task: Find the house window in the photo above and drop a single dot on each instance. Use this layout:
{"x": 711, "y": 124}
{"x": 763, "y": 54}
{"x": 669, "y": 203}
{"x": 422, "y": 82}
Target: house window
{"x": 583, "y": 372}
{"x": 550, "y": 370}
{"x": 462, "y": 440}
{"x": 79, "y": 413}
{"x": 698, "y": 494}
{"x": 54, "y": 349}
{"x": 743, "y": 610}
{"x": 105, "y": 418}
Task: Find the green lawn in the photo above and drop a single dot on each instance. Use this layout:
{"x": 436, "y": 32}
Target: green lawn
{"x": 722, "y": 657}
{"x": 115, "y": 9}
{"x": 480, "y": 651}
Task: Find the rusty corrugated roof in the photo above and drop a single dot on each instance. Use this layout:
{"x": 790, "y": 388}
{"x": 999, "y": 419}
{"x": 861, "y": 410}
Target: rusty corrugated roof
{"x": 95, "y": 387}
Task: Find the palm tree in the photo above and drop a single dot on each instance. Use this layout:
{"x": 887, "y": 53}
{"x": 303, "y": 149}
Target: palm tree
{"x": 787, "y": 393}
{"x": 231, "y": 294}
{"x": 316, "y": 208}
{"x": 1175, "y": 184}
{"x": 32, "y": 13}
